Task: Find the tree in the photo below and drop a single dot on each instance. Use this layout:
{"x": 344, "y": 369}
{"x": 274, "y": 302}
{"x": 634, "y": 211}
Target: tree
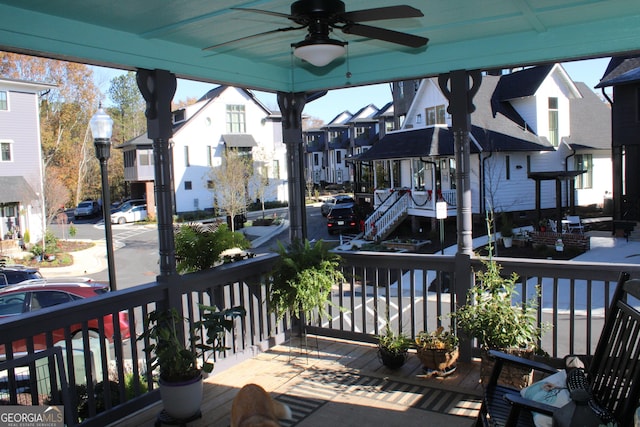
{"x": 64, "y": 116}
{"x": 229, "y": 183}
{"x": 129, "y": 121}
{"x": 56, "y": 195}
{"x": 259, "y": 181}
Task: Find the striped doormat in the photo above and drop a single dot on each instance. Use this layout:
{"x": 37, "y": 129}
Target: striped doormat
{"x": 319, "y": 386}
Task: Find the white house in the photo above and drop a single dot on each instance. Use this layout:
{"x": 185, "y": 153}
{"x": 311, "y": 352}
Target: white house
{"x": 21, "y": 169}
{"x": 530, "y": 125}
{"x": 225, "y": 117}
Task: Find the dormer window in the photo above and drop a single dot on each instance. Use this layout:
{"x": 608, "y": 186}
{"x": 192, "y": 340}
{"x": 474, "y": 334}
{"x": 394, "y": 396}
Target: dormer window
{"x": 178, "y": 116}
{"x": 554, "y": 131}
{"x": 436, "y": 115}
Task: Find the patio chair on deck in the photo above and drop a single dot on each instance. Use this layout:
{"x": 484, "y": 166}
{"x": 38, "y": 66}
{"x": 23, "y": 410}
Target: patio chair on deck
{"x": 574, "y": 224}
{"x": 613, "y": 371}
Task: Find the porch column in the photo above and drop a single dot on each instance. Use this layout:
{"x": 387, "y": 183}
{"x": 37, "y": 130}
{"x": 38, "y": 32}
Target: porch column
{"x": 291, "y": 106}
{"x": 456, "y": 86}
{"x": 157, "y": 88}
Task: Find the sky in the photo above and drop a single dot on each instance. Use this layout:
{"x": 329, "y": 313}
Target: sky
{"x": 350, "y": 99}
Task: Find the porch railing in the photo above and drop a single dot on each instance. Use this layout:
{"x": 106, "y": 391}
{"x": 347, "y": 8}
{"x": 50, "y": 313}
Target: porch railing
{"x": 413, "y": 292}
{"x": 119, "y": 365}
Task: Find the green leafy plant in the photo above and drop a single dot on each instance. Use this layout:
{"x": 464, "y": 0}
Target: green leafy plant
{"x": 72, "y": 230}
{"x": 176, "y": 359}
{"x": 394, "y": 343}
{"x": 302, "y": 278}
{"x": 491, "y": 316}
{"x": 436, "y": 340}
{"x": 506, "y": 230}
{"x": 199, "y": 246}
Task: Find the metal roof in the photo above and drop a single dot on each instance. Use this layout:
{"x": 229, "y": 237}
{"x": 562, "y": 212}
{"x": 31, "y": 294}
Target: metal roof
{"x": 171, "y": 36}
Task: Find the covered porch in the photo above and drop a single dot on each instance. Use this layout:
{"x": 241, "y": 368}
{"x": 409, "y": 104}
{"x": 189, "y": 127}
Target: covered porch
{"x": 171, "y": 40}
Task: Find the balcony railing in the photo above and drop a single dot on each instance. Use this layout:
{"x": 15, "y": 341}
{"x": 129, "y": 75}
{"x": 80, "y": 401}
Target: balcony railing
{"x": 413, "y": 292}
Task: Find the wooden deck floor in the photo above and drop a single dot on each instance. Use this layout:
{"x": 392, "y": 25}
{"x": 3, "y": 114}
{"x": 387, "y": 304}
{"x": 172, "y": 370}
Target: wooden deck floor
{"x": 339, "y": 381}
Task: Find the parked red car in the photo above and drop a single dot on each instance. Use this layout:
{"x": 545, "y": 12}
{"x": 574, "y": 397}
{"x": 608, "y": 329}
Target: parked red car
{"x": 33, "y": 295}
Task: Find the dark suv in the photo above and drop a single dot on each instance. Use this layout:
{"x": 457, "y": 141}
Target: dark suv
{"x": 343, "y": 217}
{"x": 12, "y": 274}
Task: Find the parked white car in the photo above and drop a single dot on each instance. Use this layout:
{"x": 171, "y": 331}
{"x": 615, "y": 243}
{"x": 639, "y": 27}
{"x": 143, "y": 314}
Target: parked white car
{"x": 132, "y": 214}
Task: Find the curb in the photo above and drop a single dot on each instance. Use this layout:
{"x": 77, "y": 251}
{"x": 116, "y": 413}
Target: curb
{"x": 277, "y": 230}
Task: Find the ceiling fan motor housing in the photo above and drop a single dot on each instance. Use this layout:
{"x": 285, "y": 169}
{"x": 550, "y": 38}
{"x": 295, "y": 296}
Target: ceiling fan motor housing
{"x": 304, "y": 10}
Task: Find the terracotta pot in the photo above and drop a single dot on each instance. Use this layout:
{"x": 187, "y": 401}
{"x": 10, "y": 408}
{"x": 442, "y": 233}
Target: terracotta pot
{"x": 436, "y": 359}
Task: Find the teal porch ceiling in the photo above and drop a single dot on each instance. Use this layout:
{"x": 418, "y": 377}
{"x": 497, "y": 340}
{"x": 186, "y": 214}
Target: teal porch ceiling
{"x": 171, "y": 35}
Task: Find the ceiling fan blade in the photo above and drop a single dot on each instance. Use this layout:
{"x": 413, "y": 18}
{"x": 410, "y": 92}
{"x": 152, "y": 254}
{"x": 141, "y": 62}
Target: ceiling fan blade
{"x": 385, "y": 35}
{"x": 264, "y": 12}
{"x": 277, "y": 30}
{"x": 380, "y": 13}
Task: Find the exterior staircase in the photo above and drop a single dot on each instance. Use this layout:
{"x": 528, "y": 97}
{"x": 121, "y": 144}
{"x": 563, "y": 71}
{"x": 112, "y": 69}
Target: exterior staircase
{"x": 387, "y": 216}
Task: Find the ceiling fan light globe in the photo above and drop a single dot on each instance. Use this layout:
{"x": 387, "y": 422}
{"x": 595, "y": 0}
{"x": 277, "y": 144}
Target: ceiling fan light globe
{"x": 319, "y": 54}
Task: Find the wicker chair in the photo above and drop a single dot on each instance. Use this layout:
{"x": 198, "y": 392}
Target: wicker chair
{"x": 614, "y": 369}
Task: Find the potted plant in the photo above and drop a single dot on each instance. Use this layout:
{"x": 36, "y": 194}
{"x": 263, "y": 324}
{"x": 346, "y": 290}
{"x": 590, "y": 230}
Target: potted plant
{"x": 543, "y": 224}
{"x": 492, "y": 317}
{"x": 437, "y": 350}
{"x": 506, "y": 231}
{"x": 180, "y": 375}
{"x": 302, "y": 279}
{"x": 393, "y": 348}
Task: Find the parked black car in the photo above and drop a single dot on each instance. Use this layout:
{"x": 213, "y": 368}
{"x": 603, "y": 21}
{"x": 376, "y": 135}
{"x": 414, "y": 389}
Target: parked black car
{"x": 333, "y": 201}
{"x": 12, "y": 274}
{"x": 343, "y": 217}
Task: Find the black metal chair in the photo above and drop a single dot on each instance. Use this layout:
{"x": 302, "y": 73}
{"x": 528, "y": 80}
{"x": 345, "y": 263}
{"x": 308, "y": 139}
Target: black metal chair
{"x": 614, "y": 369}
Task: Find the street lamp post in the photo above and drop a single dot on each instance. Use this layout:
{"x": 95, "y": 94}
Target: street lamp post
{"x": 101, "y": 128}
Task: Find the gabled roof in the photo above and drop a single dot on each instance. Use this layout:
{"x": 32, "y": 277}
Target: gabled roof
{"x": 386, "y": 110}
{"x": 590, "y": 121}
{"x": 521, "y": 83}
{"x": 15, "y": 189}
{"x": 341, "y": 119}
{"x": 439, "y": 141}
{"x": 361, "y": 116}
{"x": 621, "y": 70}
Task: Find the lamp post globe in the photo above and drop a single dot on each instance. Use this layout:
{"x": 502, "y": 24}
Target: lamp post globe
{"x": 101, "y": 128}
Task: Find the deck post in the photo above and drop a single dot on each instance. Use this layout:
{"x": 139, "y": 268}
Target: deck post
{"x": 291, "y": 106}
{"x": 459, "y": 87}
{"x": 157, "y": 88}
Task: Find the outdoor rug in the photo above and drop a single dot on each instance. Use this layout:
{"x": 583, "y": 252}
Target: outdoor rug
{"x": 318, "y": 387}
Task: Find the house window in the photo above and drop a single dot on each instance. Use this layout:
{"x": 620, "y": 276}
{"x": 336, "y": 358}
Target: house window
{"x": 209, "y": 156}
{"x": 4, "y": 101}
{"x": 315, "y": 159}
{"x": 186, "y": 156}
{"x": 236, "y": 119}
{"x": 584, "y": 162}
{"x": 5, "y": 152}
{"x": 276, "y": 169}
{"x": 339, "y": 176}
{"x": 507, "y": 167}
{"x": 339, "y": 157}
{"x": 418, "y": 175}
{"x": 528, "y": 165}
{"x": 436, "y": 115}
{"x": 553, "y": 121}
{"x": 419, "y": 118}
{"x": 129, "y": 159}
{"x": 209, "y": 184}
{"x": 145, "y": 158}
{"x": 452, "y": 174}
{"x": 187, "y": 185}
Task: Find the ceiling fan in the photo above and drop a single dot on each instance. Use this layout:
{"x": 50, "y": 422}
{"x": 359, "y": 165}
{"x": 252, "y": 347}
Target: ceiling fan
{"x": 320, "y": 17}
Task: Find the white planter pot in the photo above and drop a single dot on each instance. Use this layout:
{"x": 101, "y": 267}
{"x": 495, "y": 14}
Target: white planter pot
{"x": 182, "y": 400}
{"x": 507, "y": 242}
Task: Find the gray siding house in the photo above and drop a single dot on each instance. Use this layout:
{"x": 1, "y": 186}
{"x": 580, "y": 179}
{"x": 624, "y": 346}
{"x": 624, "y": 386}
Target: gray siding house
{"x": 21, "y": 175}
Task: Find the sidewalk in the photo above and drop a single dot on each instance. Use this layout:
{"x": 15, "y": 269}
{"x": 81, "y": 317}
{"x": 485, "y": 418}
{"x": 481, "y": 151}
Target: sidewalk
{"x": 94, "y": 259}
